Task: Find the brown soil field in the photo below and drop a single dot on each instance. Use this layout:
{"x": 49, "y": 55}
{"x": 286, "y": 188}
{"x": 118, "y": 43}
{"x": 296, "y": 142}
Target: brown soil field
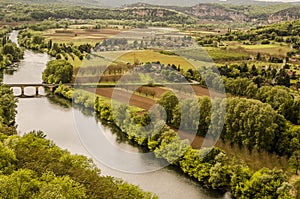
{"x": 200, "y": 91}
{"x": 122, "y": 96}
{"x": 144, "y": 102}
{"x": 158, "y": 90}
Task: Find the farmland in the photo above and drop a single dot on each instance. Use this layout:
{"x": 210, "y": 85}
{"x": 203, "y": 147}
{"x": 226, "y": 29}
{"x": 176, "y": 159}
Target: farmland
{"x": 154, "y": 56}
{"x": 79, "y": 36}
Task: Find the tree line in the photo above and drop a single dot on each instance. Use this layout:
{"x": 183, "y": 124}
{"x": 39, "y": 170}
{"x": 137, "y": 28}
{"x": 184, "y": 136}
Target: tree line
{"x": 9, "y": 52}
{"x": 267, "y": 85}
{"x": 35, "y": 12}
{"x": 59, "y": 50}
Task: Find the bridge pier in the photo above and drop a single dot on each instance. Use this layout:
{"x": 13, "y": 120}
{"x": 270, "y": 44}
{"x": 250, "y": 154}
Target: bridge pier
{"x": 51, "y": 89}
{"x": 22, "y": 91}
{"x": 37, "y": 90}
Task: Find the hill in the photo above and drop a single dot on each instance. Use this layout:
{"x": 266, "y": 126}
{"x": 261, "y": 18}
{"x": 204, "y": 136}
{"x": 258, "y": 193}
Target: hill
{"x": 231, "y": 10}
{"x": 88, "y": 3}
{"x": 117, "y": 3}
{"x": 285, "y": 14}
{"x": 227, "y": 11}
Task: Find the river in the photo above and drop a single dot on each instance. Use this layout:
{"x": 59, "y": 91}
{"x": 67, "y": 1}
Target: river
{"x": 59, "y": 124}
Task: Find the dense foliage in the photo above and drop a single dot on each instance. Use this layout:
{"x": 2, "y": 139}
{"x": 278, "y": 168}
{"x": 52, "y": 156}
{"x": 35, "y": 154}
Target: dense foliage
{"x": 9, "y": 52}
{"x": 7, "y": 108}
{"x": 58, "y": 71}
{"x": 33, "y": 167}
{"x": 268, "y": 86}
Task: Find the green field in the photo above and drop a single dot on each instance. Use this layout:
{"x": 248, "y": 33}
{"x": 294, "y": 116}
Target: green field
{"x": 219, "y": 55}
{"x": 271, "y": 49}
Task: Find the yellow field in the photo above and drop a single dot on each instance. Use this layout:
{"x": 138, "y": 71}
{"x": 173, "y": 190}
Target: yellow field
{"x": 144, "y": 56}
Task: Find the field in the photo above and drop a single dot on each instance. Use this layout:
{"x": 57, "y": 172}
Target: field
{"x": 121, "y": 96}
{"x": 79, "y": 36}
{"x": 141, "y": 99}
{"x": 270, "y": 49}
{"x": 144, "y": 56}
{"x": 220, "y": 55}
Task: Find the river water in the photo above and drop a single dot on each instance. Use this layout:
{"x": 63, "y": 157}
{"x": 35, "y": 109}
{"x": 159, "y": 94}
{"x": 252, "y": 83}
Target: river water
{"x": 60, "y": 123}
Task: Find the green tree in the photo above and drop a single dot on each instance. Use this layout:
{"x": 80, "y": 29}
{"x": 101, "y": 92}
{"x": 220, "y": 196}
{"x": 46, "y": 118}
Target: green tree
{"x": 282, "y": 78}
{"x": 59, "y": 187}
{"x": 58, "y": 71}
{"x": 168, "y": 101}
{"x": 253, "y": 124}
{"x": 20, "y": 184}
{"x": 276, "y": 96}
{"x": 294, "y": 161}
{"x": 7, "y": 159}
{"x": 13, "y": 50}
{"x": 220, "y": 173}
{"x": 264, "y": 183}
{"x": 8, "y": 105}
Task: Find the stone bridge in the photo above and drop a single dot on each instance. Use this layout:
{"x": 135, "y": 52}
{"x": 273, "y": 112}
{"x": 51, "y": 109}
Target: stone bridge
{"x": 51, "y": 87}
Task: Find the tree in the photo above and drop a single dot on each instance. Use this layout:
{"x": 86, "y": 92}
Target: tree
{"x": 294, "y": 161}
{"x": 53, "y": 187}
{"x": 37, "y": 39}
{"x": 49, "y": 46}
{"x": 263, "y": 132}
{"x": 276, "y": 96}
{"x": 13, "y": 50}
{"x": 291, "y": 111}
{"x": 186, "y": 115}
{"x": 8, "y": 105}
{"x": 220, "y": 174}
{"x": 172, "y": 150}
{"x": 168, "y": 101}
{"x": 20, "y": 184}
{"x": 282, "y": 78}
{"x": 241, "y": 174}
{"x": 265, "y": 41}
{"x": 205, "y": 106}
{"x": 58, "y": 71}
{"x": 264, "y": 183}
{"x": 7, "y": 159}
{"x": 258, "y": 56}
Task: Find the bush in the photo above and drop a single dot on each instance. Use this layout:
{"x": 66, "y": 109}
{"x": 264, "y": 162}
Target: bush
{"x": 265, "y": 41}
